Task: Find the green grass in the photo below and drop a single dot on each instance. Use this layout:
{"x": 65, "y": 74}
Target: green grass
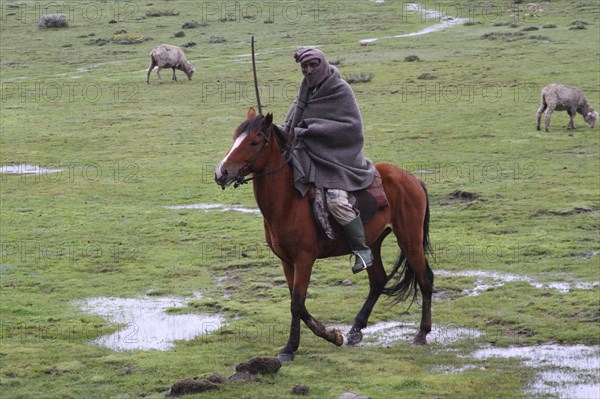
{"x": 100, "y": 228}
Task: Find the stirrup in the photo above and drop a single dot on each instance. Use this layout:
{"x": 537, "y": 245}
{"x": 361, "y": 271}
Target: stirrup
{"x": 358, "y": 266}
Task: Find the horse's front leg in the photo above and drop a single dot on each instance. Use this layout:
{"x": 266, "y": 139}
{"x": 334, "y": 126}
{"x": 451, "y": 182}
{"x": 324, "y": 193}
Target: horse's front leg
{"x": 298, "y": 296}
{"x": 330, "y": 334}
{"x": 298, "y": 277}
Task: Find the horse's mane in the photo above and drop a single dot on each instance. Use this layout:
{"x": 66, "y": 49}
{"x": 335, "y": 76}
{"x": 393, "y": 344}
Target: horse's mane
{"x": 250, "y": 125}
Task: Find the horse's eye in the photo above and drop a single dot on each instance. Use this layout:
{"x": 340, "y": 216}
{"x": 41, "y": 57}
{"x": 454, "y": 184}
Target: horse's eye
{"x": 254, "y": 143}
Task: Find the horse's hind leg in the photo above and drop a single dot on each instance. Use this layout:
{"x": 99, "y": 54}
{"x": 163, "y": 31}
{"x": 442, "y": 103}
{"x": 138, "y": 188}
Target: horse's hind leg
{"x": 377, "y": 280}
{"x": 424, "y": 276}
{"x": 412, "y": 230}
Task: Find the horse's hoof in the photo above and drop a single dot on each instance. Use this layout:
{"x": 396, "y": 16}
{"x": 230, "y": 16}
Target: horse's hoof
{"x": 285, "y": 357}
{"x": 420, "y": 339}
{"x": 339, "y": 338}
{"x": 354, "y": 337}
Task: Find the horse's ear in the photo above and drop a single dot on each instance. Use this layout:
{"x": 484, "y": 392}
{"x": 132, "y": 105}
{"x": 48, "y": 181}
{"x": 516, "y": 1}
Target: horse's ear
{"x": 251, "y": 113}
{"x": 268, "y": 120}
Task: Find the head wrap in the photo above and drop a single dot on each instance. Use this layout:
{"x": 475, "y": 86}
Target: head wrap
{"x": 318, "y": 75}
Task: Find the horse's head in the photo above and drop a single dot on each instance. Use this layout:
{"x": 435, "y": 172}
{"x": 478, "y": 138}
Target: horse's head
{"x": 250, "y": 140}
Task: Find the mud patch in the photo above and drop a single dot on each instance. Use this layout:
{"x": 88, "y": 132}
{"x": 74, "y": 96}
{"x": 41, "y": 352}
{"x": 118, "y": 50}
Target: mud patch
{"x": 147, "y": 325}
{"x": 187, "y": 387}
{"x": 462, "y": 196}
{"x": 568, "y": 371}
{"x": 245, "y": 372}
{"x": 487, "y": 280}
{"x": 590, "y": 255}
{"x": 259, "y": 365}
{"x": 216, "y": 208}
{"x": 572, "y": 212}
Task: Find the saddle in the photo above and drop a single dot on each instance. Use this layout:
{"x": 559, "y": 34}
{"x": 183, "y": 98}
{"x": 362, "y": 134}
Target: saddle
{"x": 367, "y": 201}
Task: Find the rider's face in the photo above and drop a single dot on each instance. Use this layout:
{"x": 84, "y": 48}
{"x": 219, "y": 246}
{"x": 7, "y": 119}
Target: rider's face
{"x": 309, "y": 66}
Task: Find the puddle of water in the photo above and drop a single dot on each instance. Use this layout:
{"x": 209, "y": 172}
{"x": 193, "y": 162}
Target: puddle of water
{"x": 450, "y": 370}
{"x": 386, "y": 333}
{"x": 147, "y": 325}
{"x": 570, "y": 371}
{"x": 445, "y": 21}
{"x": 25, "y": 169}
{"x": 491, "y": 279}
{"x": 216, "y": 208}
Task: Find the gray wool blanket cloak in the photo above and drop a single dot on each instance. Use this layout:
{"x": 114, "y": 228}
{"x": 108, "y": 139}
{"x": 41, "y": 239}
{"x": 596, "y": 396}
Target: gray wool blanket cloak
{"x": 327, "y": 135}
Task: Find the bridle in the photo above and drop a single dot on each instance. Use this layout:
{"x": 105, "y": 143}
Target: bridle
{"x": 247, "y": 168}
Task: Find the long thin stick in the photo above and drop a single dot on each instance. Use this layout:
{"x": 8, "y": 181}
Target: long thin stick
{"x": 255, "y": 79}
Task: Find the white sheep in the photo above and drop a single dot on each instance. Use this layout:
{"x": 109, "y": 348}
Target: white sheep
{"x": 167, "y": 56}
{"x": 558, "y": 97}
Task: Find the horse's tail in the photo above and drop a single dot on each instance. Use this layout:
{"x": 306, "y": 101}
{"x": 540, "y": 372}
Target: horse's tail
{"x": 426, "y": 242}
{"x": 406, "y": 282}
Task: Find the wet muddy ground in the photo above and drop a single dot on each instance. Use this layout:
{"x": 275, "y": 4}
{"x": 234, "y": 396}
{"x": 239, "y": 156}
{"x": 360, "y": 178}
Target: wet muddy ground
{"x": 563, "y": 371}
{"x": 216, "y": 208}
{"x": 486, "y": 280}
{"x": 443, "y": 22}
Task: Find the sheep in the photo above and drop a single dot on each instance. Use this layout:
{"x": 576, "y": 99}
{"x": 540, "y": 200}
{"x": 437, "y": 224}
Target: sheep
{"x": 559, "y": 97}
{"x": 167, "y": 56}
{"x": 53, "y": 21}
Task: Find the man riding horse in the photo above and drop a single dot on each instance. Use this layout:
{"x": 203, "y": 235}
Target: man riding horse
{"x": 325, "y": 125}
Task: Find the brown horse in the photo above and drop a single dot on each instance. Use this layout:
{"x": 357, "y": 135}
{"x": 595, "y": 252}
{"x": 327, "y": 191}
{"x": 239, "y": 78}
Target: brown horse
{"x": 261, "y": 149}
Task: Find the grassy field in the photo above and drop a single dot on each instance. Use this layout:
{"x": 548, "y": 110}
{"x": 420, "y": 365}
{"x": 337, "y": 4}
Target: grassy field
{"x": 461, "y": 118}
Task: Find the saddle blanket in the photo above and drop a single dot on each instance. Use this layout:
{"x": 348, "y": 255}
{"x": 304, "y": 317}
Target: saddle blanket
{"x": 367, "y": 201}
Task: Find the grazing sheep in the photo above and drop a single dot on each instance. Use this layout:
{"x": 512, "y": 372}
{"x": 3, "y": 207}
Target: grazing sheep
{"x": 53, "y": 21}
{"x": 167, "y": 56}
{"x": 557, "y": 97}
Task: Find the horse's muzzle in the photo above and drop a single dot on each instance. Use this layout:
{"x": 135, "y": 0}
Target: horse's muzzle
{"x": 223, "y": 178}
